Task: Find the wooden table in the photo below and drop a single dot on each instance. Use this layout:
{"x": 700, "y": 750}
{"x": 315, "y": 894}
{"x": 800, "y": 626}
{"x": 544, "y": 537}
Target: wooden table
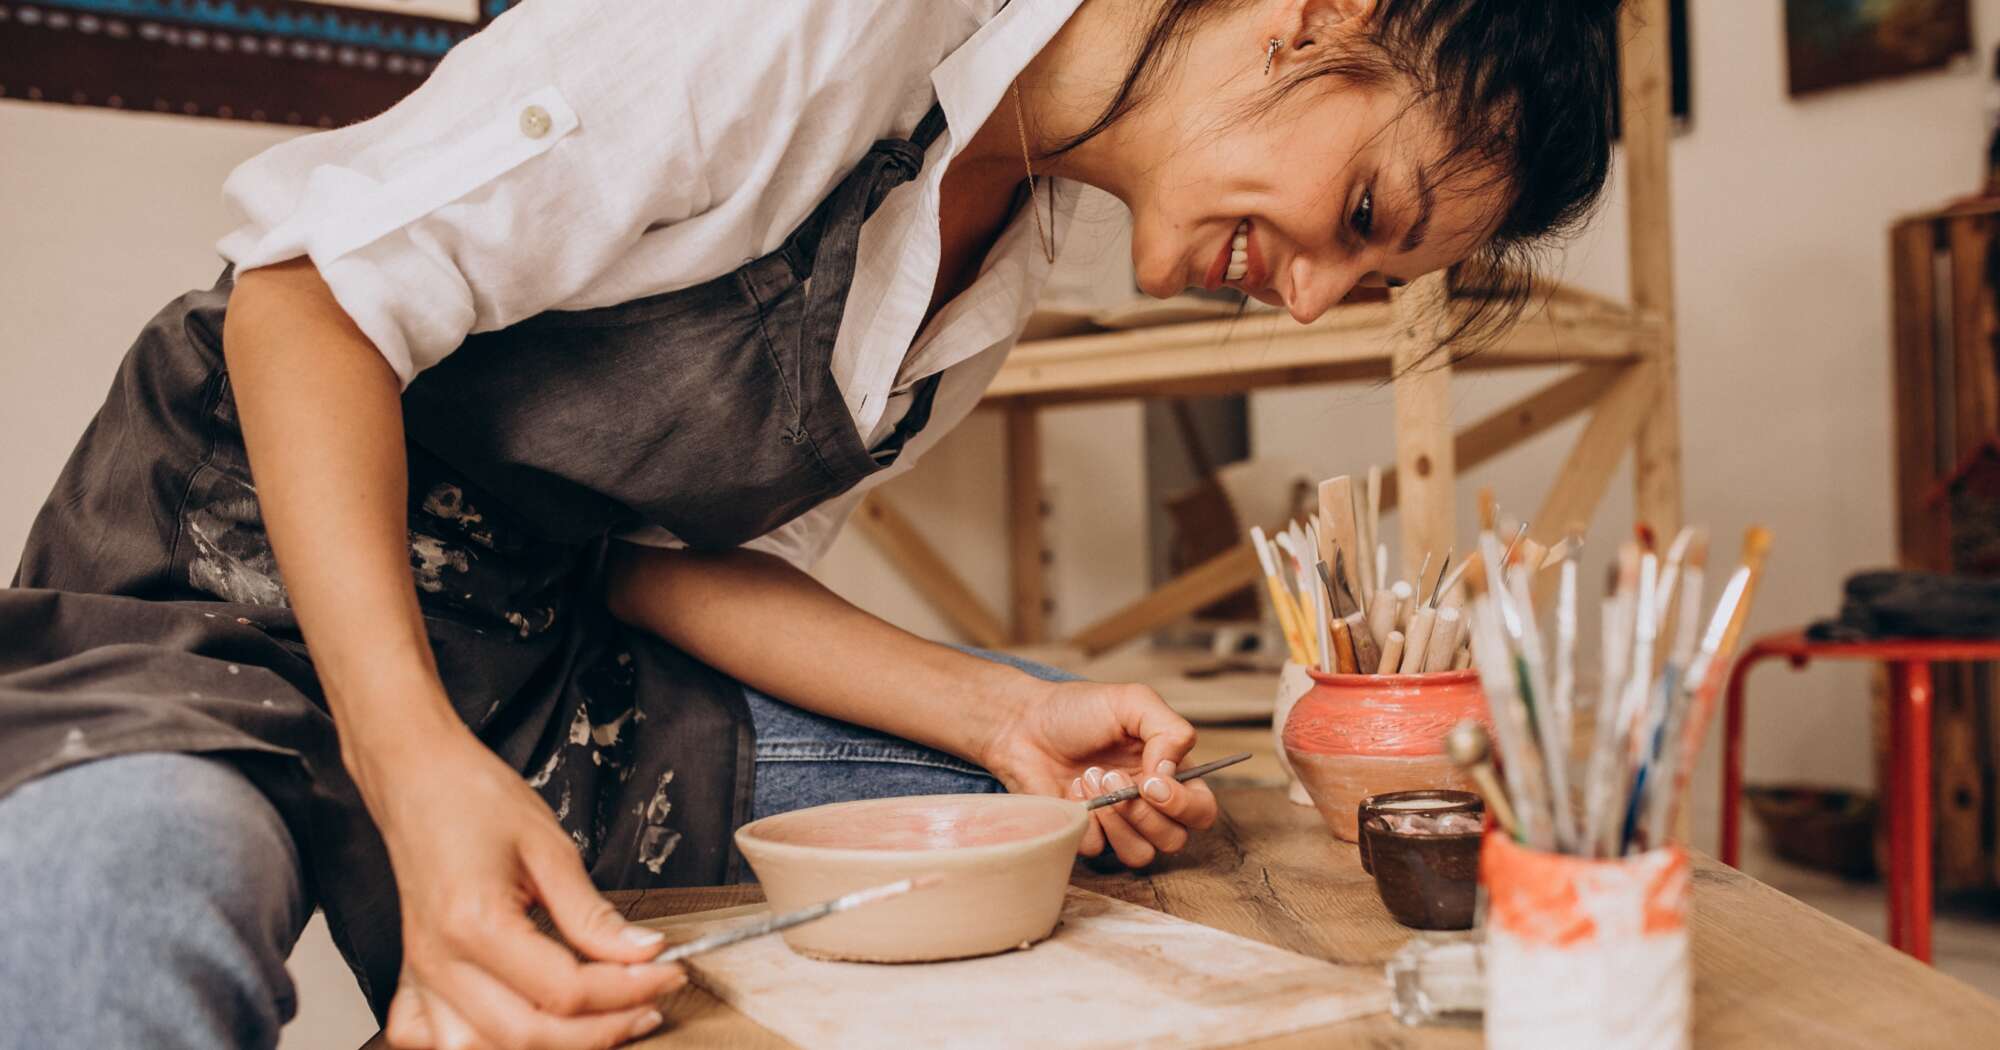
{"x": 1769, "y": 971}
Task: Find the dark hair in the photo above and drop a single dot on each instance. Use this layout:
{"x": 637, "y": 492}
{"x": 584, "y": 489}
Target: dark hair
{"x": 1521, "y": 88}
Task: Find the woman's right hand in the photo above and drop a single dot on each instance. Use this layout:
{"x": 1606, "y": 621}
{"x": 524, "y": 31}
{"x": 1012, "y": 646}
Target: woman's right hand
{"x": 473, "y": 848}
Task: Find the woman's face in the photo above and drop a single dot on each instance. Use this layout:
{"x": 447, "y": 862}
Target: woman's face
{"x": 1296, "y": 203}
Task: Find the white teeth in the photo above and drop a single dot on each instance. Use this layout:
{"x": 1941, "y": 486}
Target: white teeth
{"x": 1238, "y": 266}
{"x": 1239, "y": 253}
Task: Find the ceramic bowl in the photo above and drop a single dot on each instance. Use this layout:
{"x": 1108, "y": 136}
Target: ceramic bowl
{"x": 1005, "y": 860}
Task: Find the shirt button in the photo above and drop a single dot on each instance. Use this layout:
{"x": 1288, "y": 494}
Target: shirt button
{"x": 535, "y": 122}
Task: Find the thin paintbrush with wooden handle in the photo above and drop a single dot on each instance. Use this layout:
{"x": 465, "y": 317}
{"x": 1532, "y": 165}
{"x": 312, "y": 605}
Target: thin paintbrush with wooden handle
{"x": 781, "y": 923}
{"x": 1129, "y": 793}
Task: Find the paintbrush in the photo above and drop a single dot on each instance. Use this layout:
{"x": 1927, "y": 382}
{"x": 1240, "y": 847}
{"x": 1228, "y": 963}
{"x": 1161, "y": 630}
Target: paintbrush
{"x": 1127, "y": 794}
{"x": 1280, "y": 598}
{"x": 1470, "y": 749}
{"x": 781, "y": 923}
{"x": 1711, "y": 662}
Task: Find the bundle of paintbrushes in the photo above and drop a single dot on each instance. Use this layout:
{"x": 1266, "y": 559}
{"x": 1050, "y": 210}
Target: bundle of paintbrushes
{"x": 1328, "y": 579}
{"x": 1661, "y": 670}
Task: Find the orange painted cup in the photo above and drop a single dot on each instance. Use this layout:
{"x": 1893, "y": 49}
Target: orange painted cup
{"x": 1356, "y": 735}
{"x": 1586, "y": 952}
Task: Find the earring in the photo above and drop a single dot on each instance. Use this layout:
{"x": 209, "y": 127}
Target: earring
{"x": 1270, "y": 53}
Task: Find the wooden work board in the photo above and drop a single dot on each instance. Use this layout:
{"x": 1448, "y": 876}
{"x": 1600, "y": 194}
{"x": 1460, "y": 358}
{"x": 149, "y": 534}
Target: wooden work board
{"x": 1113, "y": 975}
{"x": 1769, "y": 971}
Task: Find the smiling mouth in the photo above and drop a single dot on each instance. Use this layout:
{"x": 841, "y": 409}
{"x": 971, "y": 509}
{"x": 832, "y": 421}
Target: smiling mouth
{"x": 1235, "y": 263}
{"x": 1239, "y": 253}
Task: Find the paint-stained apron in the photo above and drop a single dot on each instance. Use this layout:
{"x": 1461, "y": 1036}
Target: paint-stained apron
{"x": 148, "y": 612}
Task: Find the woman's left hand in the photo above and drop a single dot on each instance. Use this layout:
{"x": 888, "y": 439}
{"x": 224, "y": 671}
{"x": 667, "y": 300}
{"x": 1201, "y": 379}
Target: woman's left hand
{"x": 1079, "y": 740}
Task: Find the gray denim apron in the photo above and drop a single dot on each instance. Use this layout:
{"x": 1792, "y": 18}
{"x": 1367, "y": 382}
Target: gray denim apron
{"x": 148, "y": 613}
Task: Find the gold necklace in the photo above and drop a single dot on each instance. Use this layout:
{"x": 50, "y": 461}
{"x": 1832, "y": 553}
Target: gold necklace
{"x": 1047, "y": 241}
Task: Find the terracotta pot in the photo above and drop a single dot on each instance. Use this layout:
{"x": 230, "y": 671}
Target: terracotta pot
{"x": 1359, "y": 735}
{"x": 1005, "y": 860}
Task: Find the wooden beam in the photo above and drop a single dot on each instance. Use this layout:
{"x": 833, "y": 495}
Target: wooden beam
{"x": 1521, "y": 420}
{"x": 1200, "y": 586}
{"x": 1645, "y": 67}
{"x": 1230, "y": 571}
{"x": 1584, "y": 476}
{"x": 1264, "y": 348}
{"x": 1426, "y": 466}
{"x": 1976, "y": 404}
{"x": 1026, "y": 541}
{"x": 928, "y": 572}
{"x": 1912, "y": 253}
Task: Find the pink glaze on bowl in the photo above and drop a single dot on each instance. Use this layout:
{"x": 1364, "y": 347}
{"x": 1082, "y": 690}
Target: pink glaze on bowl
{"x": 1358, "y": 735}
{"x": 1005, "y": 861}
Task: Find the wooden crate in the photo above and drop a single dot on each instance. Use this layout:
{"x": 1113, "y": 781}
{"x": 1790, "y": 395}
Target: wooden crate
{"x": 1946, "y": 268}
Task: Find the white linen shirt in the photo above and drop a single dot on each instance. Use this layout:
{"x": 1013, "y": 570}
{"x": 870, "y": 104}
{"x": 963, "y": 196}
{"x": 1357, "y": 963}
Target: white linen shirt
{"x": 584, "y": 153}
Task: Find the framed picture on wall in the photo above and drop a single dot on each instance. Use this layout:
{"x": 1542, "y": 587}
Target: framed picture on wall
{"x": 1834, "y": 43}
{"x": 319, "y": 63}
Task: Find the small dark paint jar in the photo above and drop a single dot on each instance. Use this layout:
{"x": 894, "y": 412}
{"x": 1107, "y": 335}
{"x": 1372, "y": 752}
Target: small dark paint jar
{"x": 1428, "y": 880}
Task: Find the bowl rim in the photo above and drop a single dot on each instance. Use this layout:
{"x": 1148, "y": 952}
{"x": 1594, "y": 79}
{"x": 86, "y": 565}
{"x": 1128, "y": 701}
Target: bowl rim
{"x": 1469, "y": 674}
{"x": 746, "y": 837}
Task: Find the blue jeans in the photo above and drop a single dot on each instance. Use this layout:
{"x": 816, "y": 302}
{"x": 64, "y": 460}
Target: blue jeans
{"x": 150, "y": 900}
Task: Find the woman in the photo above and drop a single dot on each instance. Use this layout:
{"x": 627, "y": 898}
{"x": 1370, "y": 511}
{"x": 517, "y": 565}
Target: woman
{"x": 551, "y": 378}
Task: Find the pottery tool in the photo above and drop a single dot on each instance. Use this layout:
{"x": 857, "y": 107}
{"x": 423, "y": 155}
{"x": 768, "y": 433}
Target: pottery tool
{"x": 781, "y": 923}
{"x": 1127, "y": 794}
{"x": 1329, "y": 649}
{"x": 1367, "y": 654}
{"x": 1448, "y": 587}
{"x": 1443, "y": 645}
{"x": 1280, "y": 598}
{"x": 1337, "y": 530}
{"x": 1469, "y": 748}
{"x": 1392, "y": 653}
{"x": 1382, "y": 616}
{"x": 1417, "y": 640}
{"x": 1372, "y": 578}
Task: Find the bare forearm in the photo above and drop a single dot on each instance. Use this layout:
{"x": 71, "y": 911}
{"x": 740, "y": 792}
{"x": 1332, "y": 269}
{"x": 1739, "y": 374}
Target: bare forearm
{"x": 322, "y": 420}
{"x": 774, "y": 628}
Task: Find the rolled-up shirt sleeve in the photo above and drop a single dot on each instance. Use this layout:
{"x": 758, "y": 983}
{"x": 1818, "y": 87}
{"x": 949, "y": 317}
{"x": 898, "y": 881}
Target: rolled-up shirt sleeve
{"x": 534, "y": 155}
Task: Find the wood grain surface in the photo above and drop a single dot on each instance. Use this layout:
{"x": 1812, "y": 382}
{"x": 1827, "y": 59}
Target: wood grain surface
{"x": 1769, "y": 971}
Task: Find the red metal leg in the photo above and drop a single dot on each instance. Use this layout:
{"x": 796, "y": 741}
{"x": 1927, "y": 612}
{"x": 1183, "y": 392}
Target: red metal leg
{"x": 1894, "y": 789}
{"x": 1917, "y": 798}
{"x": 1732, "y": 762}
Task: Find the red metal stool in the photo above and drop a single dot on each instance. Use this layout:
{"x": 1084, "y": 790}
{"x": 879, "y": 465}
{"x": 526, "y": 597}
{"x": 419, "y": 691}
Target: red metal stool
{"x": 1909, "y": 788}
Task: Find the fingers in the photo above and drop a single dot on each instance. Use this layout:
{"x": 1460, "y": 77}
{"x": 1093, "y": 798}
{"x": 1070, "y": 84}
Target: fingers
{"x": 1132, "y": 848}
{"x": 1191, "y": 804}
{"x": 587, "y": 921}
{"x": 409, "y": 1026}
{"x": 1093, "y": 836}
{"x": 543, "y": 972}
{"x": 482, "y": 1012}
{"x": 1167, "y": 736}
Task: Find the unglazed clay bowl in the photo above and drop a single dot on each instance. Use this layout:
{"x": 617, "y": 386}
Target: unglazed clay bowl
{"x": 1005, "y": 861}
{"x": 1357, "y": 735}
